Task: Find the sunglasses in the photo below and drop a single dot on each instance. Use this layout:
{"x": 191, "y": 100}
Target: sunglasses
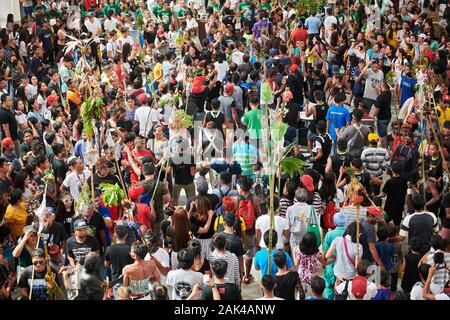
{"x": 68, "y": 200}
{"x": 39, "y": 262}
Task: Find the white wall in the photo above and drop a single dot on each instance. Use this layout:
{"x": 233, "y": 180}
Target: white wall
{"x": 9, "y": 6}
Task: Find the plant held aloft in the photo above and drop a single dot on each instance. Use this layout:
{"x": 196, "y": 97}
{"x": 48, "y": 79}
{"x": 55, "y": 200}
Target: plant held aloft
{"x": 91, "y": 111}
{"x": 182, "y": 120}
{"x": 113, "y": 194}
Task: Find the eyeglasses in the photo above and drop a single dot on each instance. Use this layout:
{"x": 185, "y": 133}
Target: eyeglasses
{"x": 68, "y": 200}
{"x": 39, "y": 262}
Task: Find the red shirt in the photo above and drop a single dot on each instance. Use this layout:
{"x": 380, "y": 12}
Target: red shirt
{"x": 139, "y": 155}
{"x": 144, "y": 215}
{"x": 197, "y": 84}
{"x": 429, "y": 54}
{"x": 299, "y": 34}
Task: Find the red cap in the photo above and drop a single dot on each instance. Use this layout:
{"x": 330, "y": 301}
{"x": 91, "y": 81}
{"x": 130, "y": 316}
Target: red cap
{"x": 135, "y": 193}
{"x": 446, "y": 97}
{"x": 308, "y": 182}
{"x": 229, "y": 88}
{"x": 7, "y": 142}
{"x": 375, "y": 211}
{"x": 142, "y": 98}
{"x": 359, "y": 287}
{"x": 293, "y": 67}
{"x": 53, "y": 249}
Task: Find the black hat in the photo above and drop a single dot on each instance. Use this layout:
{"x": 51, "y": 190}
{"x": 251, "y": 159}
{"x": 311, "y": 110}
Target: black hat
{"x": 447, "y": 124}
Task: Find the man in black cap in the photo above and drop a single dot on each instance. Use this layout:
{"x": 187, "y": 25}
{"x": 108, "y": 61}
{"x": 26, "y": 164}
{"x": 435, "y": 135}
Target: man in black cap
{"x": 80, "y": 244}
{"x": 47, "y": 42}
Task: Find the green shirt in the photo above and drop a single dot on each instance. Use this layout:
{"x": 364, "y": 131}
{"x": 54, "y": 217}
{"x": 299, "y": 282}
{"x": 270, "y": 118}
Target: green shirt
{"x": 329, "y": 237}
{"x": 166, "y": 17}
{"x": 253, "y": 122}
{"x": 242, "y": 7}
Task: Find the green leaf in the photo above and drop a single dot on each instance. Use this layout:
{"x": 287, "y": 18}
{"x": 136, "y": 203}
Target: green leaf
{"x": 266, "y": 93}
{"x": 292, "y": 165}
{"x": 278, "y": 131}
{"x": 112, "y": 194}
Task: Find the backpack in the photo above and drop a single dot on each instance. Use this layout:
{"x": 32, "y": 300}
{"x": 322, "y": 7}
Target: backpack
{"x": 246, "y": 211}
{"x": 404, "y": 156}
{"x": 344, "y": 294}
{"x": 262, "y": 193}
{"x": 218, "y": 211}
{"x": 328, "y": 220}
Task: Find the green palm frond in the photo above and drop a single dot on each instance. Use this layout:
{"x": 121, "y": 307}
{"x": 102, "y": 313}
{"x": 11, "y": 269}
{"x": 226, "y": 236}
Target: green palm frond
{"x": 290, "y": 165}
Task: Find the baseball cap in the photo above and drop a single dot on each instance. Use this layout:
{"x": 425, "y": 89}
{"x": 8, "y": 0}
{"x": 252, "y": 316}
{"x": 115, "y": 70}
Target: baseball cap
{"x": 446, "y": 98}
{"x": 339, "y": 219}
{"x": 308, "y": 182}
{"x": 135, "y": 193}
{"x": 273, "y": 52}
{"x": 7, "y": 142}
{"x": 142, "y": 99}
{"x": 372, "y": 137}
{"x": 374, "y": 211}
{"x": 53, "y": 249}
{"x": 422, "y": 35}
{"x": 91, "y": 14}
{"x": 359, "y": 287}
{"x": 293, "y": 67}
{"x": 79, "y": 224}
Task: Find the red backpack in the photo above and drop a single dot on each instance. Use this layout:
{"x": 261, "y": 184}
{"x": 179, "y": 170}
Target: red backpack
{"x": 246, "y": 211}
{"x": 328, "y": 220}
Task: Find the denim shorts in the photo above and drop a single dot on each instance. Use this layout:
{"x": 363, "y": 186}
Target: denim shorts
{"x": 311, "y": 135}
{"x": 382, "y": 126}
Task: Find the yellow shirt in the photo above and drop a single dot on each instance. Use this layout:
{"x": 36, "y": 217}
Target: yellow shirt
{"x": 220, "y": 221}
{"x": 444, "y": 115}
{"x": 16, "y": 217}
{"x": 157, "y": 72}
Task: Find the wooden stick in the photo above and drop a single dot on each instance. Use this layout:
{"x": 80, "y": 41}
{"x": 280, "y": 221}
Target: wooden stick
{"x": 119, "y": 172}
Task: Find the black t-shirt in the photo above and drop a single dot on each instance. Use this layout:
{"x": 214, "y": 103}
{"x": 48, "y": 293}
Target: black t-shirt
{"x": 40, "y": 291}
{"x": 60, "y": 168}
{"x": 395, "y": 189}
{"x": 196, "y": 224}
{"x": 316, "y": 84}
{"x": 96, "y": 224}
{"x": 119, "y": 256}
{"x": 182, "y": 171}
{"x": 212, "y": 198}
{"x": 57, "y": 233}
{"x": 383, "y": 102}
{"x": 110, "y": 178}
{"x": 286, "y": 285}
{"x": 7, "y": 117}
{"x": 411, "y": 275}
{"x": 227, "y": 291}
{"x": 78, "y": 251}
{"x": 293, "y": 110}
{"x": 217, "y": 117}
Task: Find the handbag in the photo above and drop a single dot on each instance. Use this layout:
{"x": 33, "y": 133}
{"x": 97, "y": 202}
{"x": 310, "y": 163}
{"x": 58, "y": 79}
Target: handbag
{"x": 313, "y": 226}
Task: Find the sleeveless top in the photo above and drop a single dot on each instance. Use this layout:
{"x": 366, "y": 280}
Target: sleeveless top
{"x": 139, "y": 287}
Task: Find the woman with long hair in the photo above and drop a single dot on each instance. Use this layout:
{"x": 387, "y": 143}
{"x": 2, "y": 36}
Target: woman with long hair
{"x": 391, "y": 34}
{"x": 287, "y": 199}
{"x": 65, "y": 211}
{"x": 179, "y": 229}
{"x": 20, "y": 114}
{"x": 201, "y": 217}
{"x": 22, "y": 181}
{"x": 201, "y": 264}
{"x": 42, "y": 96}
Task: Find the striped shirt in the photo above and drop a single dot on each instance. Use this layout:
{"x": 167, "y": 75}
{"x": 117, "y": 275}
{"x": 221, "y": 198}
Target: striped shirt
{"x": 375, "y": 160}
{"x": 421, "y": 225}
{"x": 441, "y": 275}
{"x": 284, "y": 204}
{"x": 350, "y": 214}
{"x": 246, "y": 155}
{"x": 232, "y": 275}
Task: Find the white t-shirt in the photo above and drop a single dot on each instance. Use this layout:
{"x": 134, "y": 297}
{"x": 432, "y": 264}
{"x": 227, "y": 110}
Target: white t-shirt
{"x": 124, "y": 40}
{"x": 191, "y": 23}
{"x": 110, "y": 24}
{"x": 329, "y": 21}
{"x": 442, "y": 296}
{"x": 75, "y": 183}
{"x": 237, "y": 57}
{"x": 21, "y": 118}
{"x": 142, "y": 115}
{"x": 182, "y": 282}
{"x": 163, "y": 257}
{"x": 374, "y": 79}
{"x": 263, "y": 224}
{"x": 222, "y": 69}
{"x": 417, "y": 292}
{"x": 94, "y": 27}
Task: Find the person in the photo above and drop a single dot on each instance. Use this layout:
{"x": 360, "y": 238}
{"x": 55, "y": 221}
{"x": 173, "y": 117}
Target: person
{"x": 140, "y": 275}
{"x": 261, "y": 258}
{"x": 201, "y": 264}
{"x": 76, "y": 179}
{"x": 16, "y": 213}
{"x": 288, "y": 283}
{"x": 317, "y": 289}
{"x": 444, "y": 295}
{"x": 233, "y": 274}
{"x": 356, "y": 135}
{"x": 80, "y": 244}
{"x": 90, "y": 285}
{"x": 183, "y": 280}
{"x": 268, "y": 285}
{"x": 35, "y": 281}
{"x": 382, "y": 111}
{"x": 374, "y": 77}
{"x": 224, "y": 289}
{"x": 359, "y": 288}
{"x": 262, "y": 225}
{"x": 420, "y": 224}
{"x": 201, "y": 218}
{"x": 410, "y": 266}
{"x": 322, "y": 147}
{"x": 25, "y": 246}
{"x": 8, "y": 122}
{"x": 252, "y": 119}
{"x": 337, "y": 116}
{"x": 417, "y": 288}
{"x": 117, "y": 256}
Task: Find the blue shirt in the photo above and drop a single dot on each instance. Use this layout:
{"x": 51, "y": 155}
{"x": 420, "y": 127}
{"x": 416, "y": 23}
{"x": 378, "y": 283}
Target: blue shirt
{"x": 338, "y": 117}
{"x": 407, "y": 88}
{"x": 80, "y": 149}
{"x": 104, "y": 211}
{"x": 246, "y": 155}
{"x": 385, "y": 252}
{"x": 261, "y": 262}
{"x": 313, "y": 25}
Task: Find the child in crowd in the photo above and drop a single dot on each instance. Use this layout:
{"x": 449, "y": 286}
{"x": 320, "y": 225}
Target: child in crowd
{"x": 317, "y": 289}
{"x": 383, "y": 291}
{"x": 409, "y": 266}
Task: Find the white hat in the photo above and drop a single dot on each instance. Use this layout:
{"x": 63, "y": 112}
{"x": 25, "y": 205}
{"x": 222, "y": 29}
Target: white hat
{"x": 423, "y": 36}
{"x": 52, "y": 22}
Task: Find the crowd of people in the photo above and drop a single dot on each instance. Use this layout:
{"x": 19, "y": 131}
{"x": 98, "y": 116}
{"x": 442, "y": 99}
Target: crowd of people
{"x": 170, "y": 192}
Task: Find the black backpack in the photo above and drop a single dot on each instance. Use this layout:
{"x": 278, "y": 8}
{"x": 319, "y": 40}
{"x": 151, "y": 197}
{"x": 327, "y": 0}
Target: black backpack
{"x": 344, "y": 294}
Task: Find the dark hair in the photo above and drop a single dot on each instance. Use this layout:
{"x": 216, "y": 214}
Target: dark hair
{"x": 328, "y": 189}
{"x": 415, "y": 244}
{"x": 121, "y": 231}
{"x": 351, "y": 231}
{"x": 226, "y": 177}
{"x": 436, "y": 242}
{"x": 195, "y": 247}
{"x": 19, "y": 179}
{"x": 321, "y": 126}
{"x": 229, "y": 218}
{"x": 382, "y": 234}
{"x": 341, "y": 144}
{"x": 319, "y": 95}
{"x": 280, "y": 259}
{"x": 384, "y": 278}
{"x": 219, "y": 267}
{"x": 340, "y": 97}
{"x": 318, "y": 285}
{"x": 219, "y": 241}
{"x": 274, "y": 238}
{"x": 140, "y": 249}
{"x": 246, "y": 183}
{"x": 268, "y": 282}
{"x": 57, "y": 148}
{"x": 91, "y": 262}
{"x": 362, "y": 267}
{"x": 417, "y": 201}
{"x": 357, "y": 114}
{"x": 148, "y": 169}
{"x": 308, "y": 245}
{"x": 15, "y": 196}
{"x": 185, "y": 259}
{"x": 423, "y": 270}
{"x": 291, "y": 187}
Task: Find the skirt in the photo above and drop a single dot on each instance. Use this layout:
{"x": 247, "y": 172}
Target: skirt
{"x": 205, "y": 243}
